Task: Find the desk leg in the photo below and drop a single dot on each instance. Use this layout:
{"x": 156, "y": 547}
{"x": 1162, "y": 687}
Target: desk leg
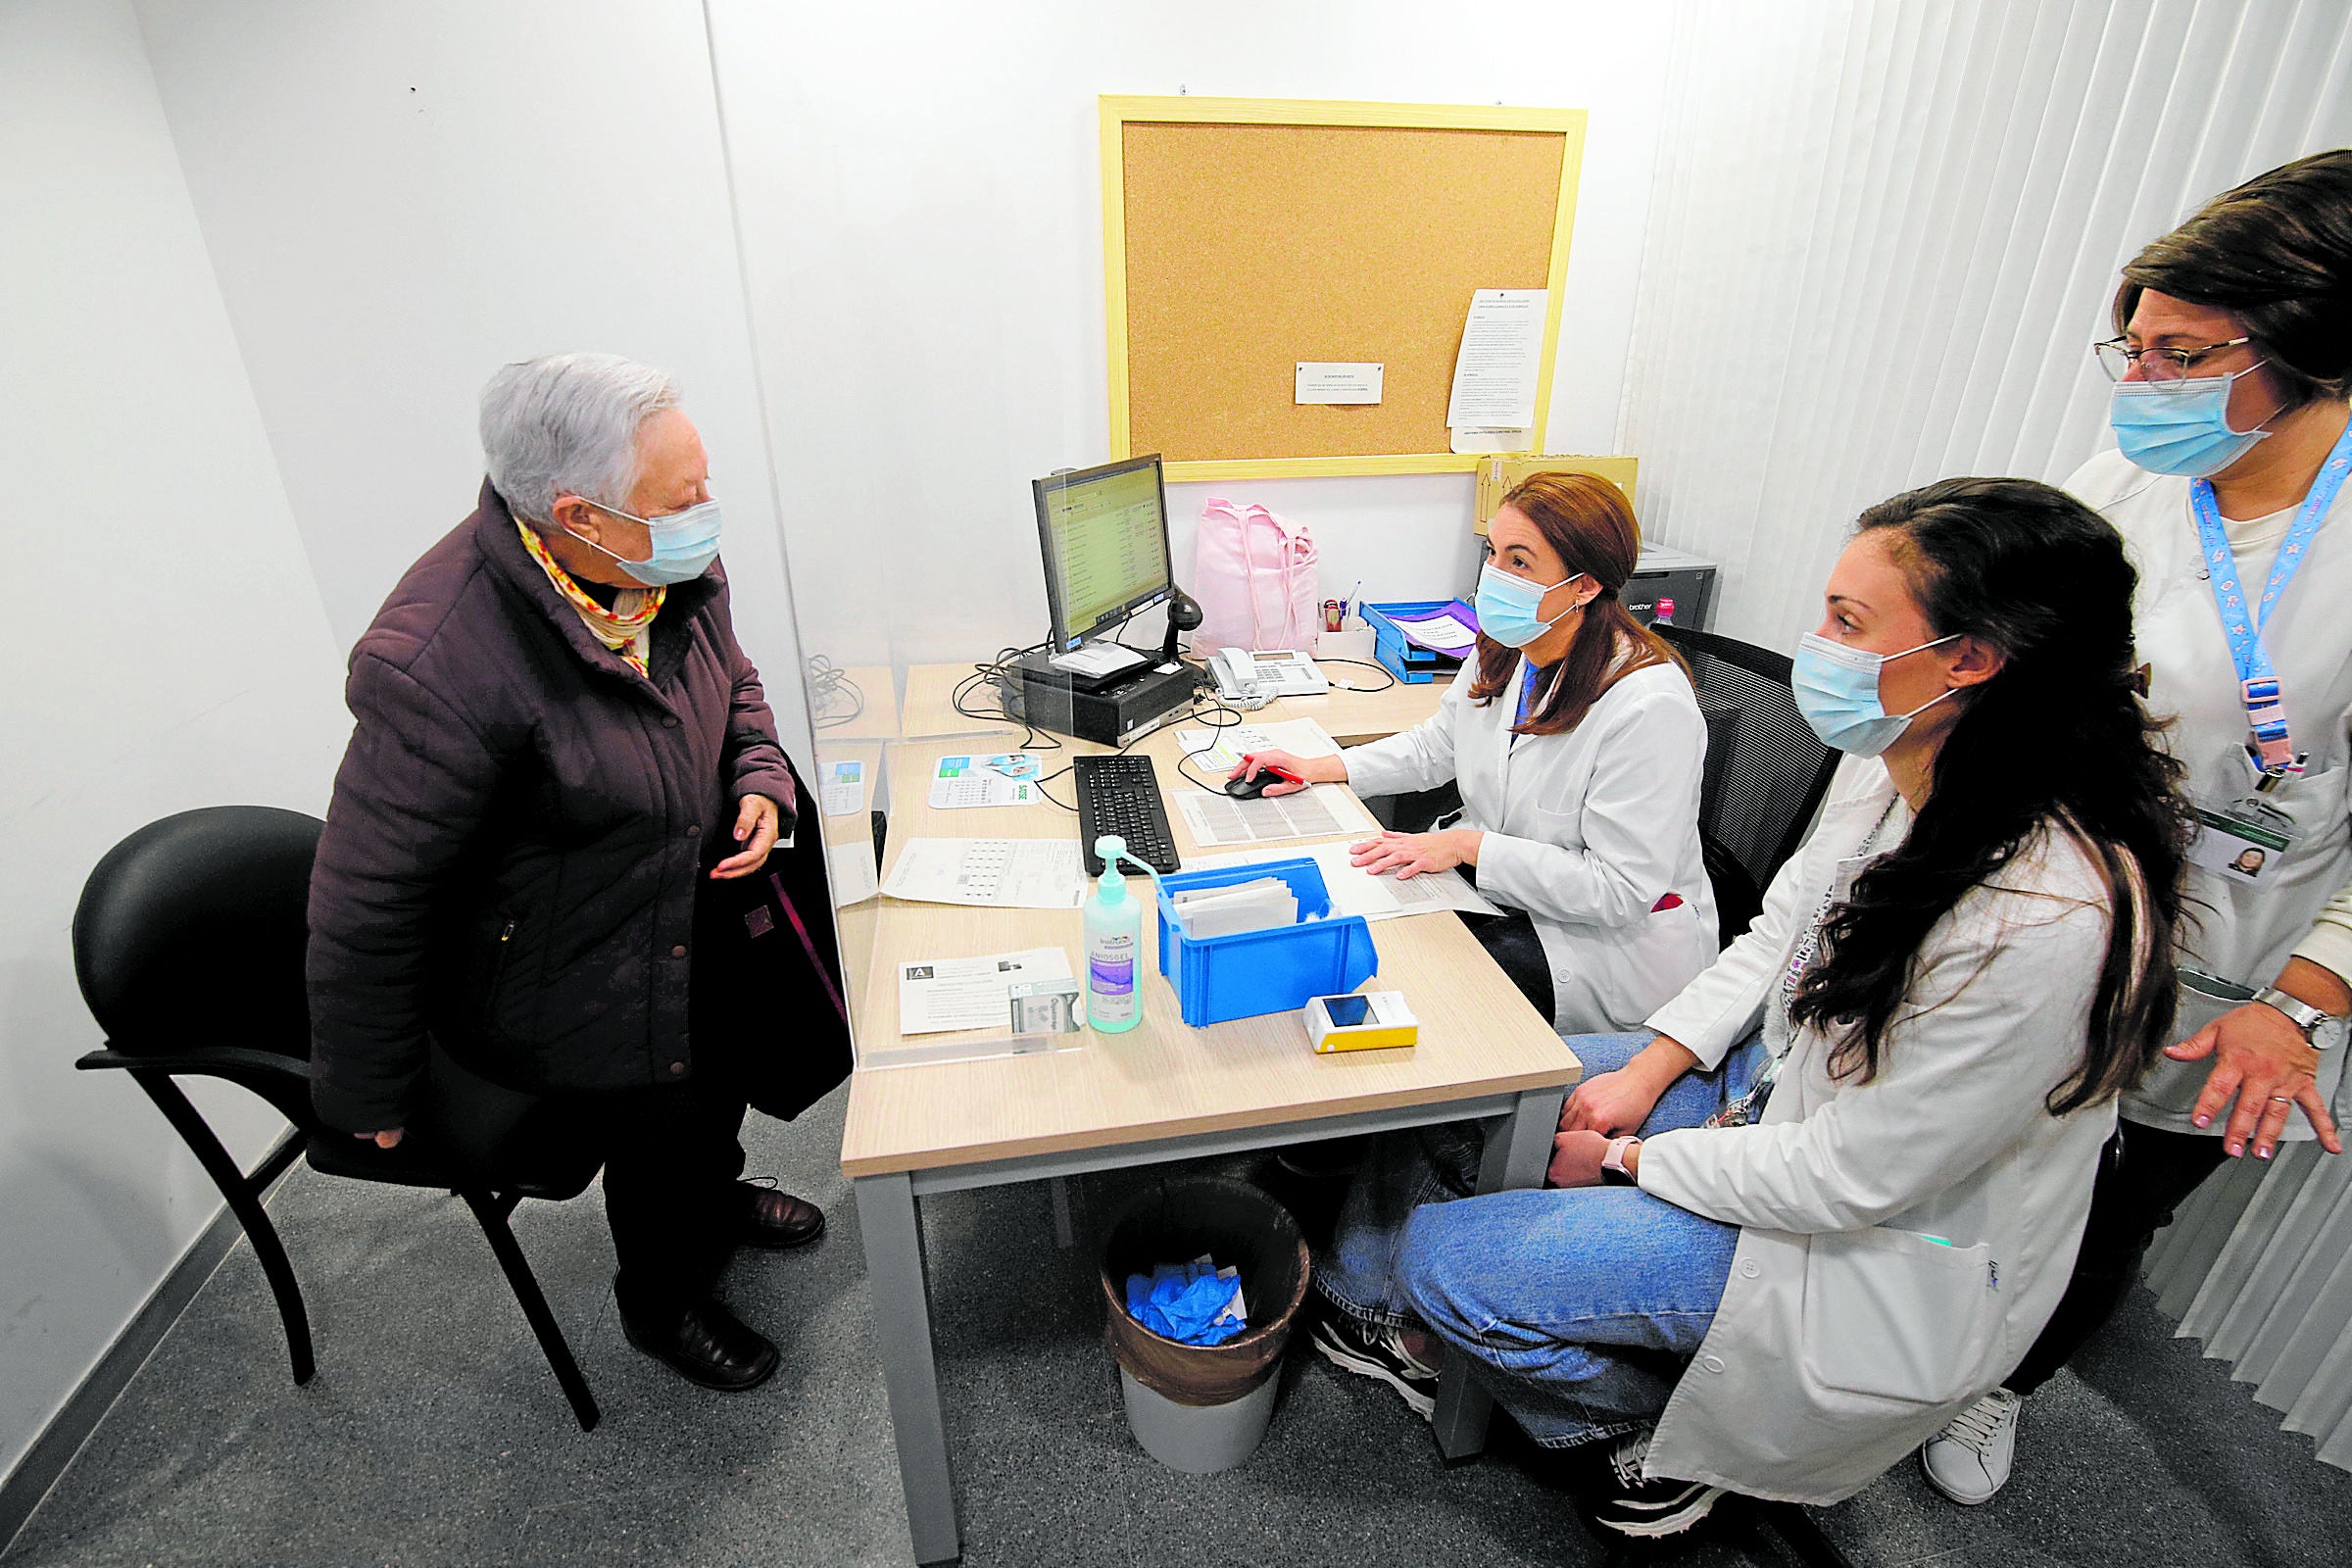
{"x": 894, "y": 1271}
{"x": 1518, "y": 1148}
{"x": 1064, "y": 1233}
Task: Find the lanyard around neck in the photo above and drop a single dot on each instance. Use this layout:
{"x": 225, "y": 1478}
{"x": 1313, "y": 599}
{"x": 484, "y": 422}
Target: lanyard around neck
{"x": 2257, "y": 680}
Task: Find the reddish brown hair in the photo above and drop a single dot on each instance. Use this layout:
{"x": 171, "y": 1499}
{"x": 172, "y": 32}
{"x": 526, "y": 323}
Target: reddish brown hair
{"x": 1588, "y": 523}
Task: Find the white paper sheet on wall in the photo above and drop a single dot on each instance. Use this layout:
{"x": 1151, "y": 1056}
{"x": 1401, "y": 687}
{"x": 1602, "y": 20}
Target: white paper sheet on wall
{"x": 1499, "y": 363}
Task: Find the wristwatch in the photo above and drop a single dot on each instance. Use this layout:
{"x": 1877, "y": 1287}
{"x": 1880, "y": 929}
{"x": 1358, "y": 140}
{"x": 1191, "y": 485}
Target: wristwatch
{"x": 2302, "y": 1014}
{"x": 1612, "y": 1162}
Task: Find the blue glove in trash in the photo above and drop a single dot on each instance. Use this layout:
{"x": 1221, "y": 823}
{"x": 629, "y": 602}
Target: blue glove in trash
{"x": 1188, "y": 1303}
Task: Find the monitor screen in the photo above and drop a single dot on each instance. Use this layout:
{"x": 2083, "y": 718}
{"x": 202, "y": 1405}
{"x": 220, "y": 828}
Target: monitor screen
{"x": 1104, "y": 534}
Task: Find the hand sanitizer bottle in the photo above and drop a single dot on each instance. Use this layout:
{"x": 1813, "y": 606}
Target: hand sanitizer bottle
{"x": 1114, "y": 942}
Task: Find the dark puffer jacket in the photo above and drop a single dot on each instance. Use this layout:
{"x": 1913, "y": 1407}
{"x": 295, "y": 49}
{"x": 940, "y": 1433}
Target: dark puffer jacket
{"x": 519, "y": 830}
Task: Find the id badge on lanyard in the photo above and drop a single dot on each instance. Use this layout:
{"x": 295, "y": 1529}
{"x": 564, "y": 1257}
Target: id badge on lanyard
{"x": 2246, "y": 839}
{"x": 2269, "y": 744}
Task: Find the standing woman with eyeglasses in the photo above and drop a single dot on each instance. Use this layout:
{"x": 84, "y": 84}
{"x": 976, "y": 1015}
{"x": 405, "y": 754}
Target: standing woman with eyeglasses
{"x": 2232, "y": 368}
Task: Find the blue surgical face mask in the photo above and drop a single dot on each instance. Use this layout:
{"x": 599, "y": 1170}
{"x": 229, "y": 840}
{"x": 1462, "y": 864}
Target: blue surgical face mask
{"x": 2180, "y": 426}
{"x": 1506, "y": 607}
{"x": 685, "y": 543}
{"x": 1837, "y": 689}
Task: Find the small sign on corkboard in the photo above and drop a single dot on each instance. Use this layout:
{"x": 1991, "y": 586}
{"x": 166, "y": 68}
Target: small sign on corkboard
{"x": 1248, "y": 240}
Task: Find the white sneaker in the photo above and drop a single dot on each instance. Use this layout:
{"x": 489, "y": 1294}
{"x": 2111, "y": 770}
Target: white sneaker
{"x": 1969, "y": 1460}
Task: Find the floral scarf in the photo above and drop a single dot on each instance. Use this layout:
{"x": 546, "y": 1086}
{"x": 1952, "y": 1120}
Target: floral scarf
{"x": 625, "y": 628}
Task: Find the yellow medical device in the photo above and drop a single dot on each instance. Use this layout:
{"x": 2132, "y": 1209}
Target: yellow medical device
{"x": 1363, "y": 1021}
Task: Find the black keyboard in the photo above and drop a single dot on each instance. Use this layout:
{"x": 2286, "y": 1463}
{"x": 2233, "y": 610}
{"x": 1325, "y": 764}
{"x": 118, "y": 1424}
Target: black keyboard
{"x": 1121, "y": 794}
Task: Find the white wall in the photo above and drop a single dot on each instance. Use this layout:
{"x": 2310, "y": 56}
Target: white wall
{"x": 167, "y": 649}
{"x": 920, "y": 191}
{"x": 402, "y": 196}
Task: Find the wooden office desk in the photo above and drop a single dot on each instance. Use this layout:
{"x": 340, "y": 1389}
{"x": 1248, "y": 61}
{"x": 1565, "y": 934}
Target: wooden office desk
{"x": 1157, "y": 1093}
{"x": 1350, "y": 716}
{"x": 930, "y": 710}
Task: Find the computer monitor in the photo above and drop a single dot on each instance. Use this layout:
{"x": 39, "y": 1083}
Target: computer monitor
{"x": 1104, "y": 534}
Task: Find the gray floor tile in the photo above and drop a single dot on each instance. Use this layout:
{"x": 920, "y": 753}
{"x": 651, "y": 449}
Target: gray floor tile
{"x": 433, "y": 1433}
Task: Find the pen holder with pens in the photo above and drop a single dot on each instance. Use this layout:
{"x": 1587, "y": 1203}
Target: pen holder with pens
{"x": 1273, "y": 970}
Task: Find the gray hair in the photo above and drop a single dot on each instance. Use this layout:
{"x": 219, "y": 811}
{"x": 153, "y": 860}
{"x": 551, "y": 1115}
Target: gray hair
{"x": 566, "y": 425}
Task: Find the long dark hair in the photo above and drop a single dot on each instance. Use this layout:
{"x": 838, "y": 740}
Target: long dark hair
{"x": 2276, "y": 254}
{"x": 2056, "y": 742}
{"x": 1588, "y": 523}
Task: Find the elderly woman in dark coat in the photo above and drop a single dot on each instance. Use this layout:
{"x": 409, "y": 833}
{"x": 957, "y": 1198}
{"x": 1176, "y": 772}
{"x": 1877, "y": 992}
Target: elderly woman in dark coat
{"x": 560, "y": 751}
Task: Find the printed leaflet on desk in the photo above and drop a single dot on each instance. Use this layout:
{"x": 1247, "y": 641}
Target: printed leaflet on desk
{"x": 1318, "y": 812}
{"x": 1001, "y": 873}
{"x": 1222, "y": 750}
{"x": 1008, "y": 778}
{"x": 1375, "y": 898}
{"x": 940, "y": 995}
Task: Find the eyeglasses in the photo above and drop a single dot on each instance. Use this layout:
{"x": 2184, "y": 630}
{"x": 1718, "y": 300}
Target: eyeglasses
{"x": 2116, "y": 357}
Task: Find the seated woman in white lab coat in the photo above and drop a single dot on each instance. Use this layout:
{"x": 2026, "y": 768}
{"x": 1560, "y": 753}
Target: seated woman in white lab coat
{"x": 1578, "y": 746}
{"x": 1860, "y": 1199}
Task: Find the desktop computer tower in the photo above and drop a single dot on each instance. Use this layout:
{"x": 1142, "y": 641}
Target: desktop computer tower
{"x": 1113, "y": 712}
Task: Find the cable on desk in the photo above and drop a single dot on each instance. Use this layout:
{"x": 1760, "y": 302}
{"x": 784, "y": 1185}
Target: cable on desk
{"x": 1387, "y": 673}
{"x": 994, "y": 673}
{"x": 827, "y": 683}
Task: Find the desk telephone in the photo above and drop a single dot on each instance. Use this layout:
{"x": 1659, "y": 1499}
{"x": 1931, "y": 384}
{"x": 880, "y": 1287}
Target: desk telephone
{"x": 1248, "y": 679}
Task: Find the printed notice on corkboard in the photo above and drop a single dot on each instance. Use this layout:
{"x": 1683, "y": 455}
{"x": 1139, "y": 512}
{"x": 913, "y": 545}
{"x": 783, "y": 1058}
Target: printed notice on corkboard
{"x": 1250, "y": 248}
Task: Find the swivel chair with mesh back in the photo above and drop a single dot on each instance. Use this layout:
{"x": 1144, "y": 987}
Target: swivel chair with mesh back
{"x": 188, "y": 944}
{"x": 1766, "y": 770}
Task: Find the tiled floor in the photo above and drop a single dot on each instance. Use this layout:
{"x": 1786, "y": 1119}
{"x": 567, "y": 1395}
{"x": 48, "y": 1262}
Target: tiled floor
{"x": 433, "y": 1434}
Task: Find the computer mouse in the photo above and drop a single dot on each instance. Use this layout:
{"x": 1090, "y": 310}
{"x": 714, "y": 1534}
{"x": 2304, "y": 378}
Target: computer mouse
{"x": 1250, "y": 789}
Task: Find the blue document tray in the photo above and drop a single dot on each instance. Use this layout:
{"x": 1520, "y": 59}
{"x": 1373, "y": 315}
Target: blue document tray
{"x": 1275, "y": 970}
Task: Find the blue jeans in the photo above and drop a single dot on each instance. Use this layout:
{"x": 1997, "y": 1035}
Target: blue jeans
{"x": 1578, "y": 1308}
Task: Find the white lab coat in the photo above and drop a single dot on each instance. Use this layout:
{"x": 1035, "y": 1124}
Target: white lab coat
{"x": 1845, "y": 1337}
{"x": 1585, "y": 831}
{"x": 2228, "y": 929}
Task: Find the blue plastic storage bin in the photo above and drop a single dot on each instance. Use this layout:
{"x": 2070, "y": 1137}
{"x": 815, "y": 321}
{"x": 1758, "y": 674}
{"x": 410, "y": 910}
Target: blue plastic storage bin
{"x": 1275, "y": 970}
{"x": 1401, "y": 657}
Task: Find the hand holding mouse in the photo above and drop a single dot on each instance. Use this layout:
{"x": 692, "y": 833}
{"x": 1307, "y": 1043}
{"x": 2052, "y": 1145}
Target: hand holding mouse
{"x": 1282, "y": 773}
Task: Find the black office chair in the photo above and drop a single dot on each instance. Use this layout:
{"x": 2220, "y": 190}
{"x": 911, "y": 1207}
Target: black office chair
{"x": 1766, "y": 770}
{"x": 188, "y": 943}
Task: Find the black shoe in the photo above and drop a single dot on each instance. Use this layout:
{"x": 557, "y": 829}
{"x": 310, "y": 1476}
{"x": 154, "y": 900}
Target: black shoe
{"x": 1372, "y": 1351}
{"x": 707, "y": 1344}
{"x": 1609, "y": 1482}
{"x": 775, "y": 1219}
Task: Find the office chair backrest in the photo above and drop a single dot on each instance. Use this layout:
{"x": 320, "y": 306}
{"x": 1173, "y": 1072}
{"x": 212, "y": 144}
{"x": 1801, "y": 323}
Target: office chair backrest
{"x": 190, "y": 932}
{"x": 1766, "y": 770}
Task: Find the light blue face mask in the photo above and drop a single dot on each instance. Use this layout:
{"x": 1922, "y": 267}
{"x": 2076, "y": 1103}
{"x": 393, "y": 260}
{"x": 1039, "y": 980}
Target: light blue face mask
{"x": 685, "y": 543}
{"x": 2180, "y": 426}
{"x": 1506, "y": 607}
{"x": 1837, "y": 689}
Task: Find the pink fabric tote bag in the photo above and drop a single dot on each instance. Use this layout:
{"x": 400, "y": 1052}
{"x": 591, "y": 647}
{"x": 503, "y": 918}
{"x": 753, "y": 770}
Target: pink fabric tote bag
{"x": 1254, "y": 573}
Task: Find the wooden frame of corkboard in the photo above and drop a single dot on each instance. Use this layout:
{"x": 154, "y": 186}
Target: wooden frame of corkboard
{"x": 1243, "y": 235}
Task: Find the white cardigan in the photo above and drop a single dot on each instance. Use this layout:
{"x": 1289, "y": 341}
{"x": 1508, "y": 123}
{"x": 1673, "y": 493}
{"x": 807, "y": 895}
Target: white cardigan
{"x": 1845, "y": 1336}
{"x": 1585, "y": 831}
{"x": 2241, "y": 933}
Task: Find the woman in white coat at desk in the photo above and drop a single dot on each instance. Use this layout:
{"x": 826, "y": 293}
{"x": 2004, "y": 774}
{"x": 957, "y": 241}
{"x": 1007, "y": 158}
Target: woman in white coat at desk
{"x": 1578, "y": 745}
{"x": 1860, "y": 1200}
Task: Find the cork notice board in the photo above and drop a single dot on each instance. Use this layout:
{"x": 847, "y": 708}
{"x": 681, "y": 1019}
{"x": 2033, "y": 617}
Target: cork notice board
{"x": 1241, "y": 236}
